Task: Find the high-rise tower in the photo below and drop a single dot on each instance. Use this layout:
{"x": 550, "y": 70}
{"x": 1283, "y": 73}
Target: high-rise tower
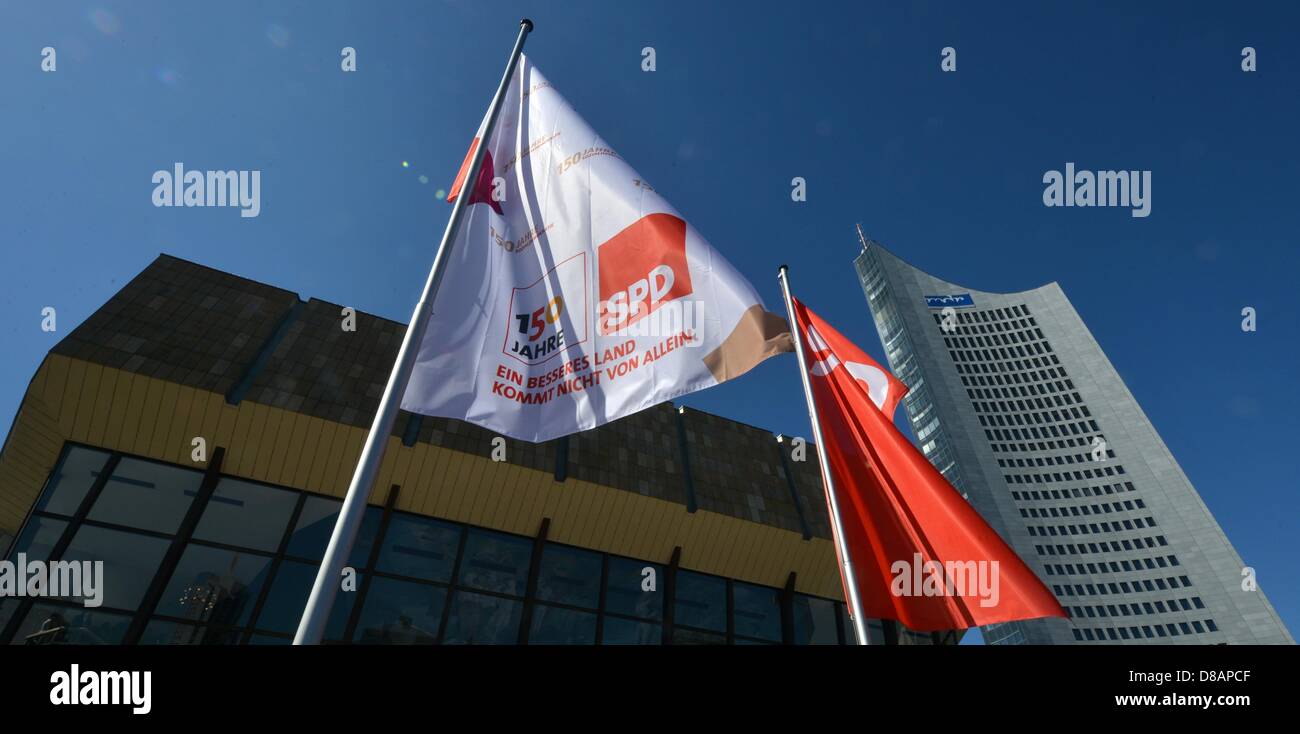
{"x": 1015, "y": 402}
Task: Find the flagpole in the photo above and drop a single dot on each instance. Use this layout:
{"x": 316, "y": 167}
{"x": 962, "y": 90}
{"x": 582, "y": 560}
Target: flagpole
{"x": 323, "y": 592}
{"x": 837, "y": 525}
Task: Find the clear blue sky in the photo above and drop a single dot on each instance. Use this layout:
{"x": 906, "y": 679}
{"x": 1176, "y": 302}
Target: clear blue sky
{"x": 945, "y": 169}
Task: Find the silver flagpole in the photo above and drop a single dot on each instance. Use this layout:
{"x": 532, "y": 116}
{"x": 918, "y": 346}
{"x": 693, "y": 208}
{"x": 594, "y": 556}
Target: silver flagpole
{"x": 850, "y": 581}
{"x": 328, "y": 578}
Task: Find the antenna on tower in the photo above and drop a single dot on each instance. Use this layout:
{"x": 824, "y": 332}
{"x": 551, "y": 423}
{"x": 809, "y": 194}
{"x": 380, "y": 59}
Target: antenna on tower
{"x": 861, "y": 237}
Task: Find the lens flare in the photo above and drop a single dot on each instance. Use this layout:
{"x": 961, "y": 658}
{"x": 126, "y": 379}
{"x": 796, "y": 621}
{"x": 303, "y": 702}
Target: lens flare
{"x": 167, "y": 75}
{"x": 104, "y": 21}
{"x": 278, "y": 35}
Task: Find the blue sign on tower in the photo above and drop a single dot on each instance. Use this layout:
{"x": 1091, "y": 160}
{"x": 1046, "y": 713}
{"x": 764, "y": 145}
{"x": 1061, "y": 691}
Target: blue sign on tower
{"x": 960, "y": 300}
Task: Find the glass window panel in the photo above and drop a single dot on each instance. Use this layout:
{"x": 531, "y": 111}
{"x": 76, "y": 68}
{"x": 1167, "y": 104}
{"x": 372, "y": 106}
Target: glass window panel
{"x": 495, "y": 562}
{"x": 814, "y": 621}
{"x": 71, "y": 480}
{"x": 48, "y": 624}
{"x": 557, "y": 626}
{"x": 400, "y": 613}
{"x": 246, "y": 514}
{"x": 8, "y": 607}
{"x": 694, "y": 637}
{"x": 35, "y": 542}
{"x": 166, "y": 632}
{"x": 625, "y": 593}
{"x": 478, "y": 619}
{"x": 316, "y": 525}
{"x": 756, "y": 611}
{"x": 619, "y": 631}
{"x": 288, "y": 596}
{"x": 420, "y": 547}
{"x": 130, "y": 562}
{"x": 269, "y": 640}
{"x": 215, "y": 586}
{"x": 142, "y": 494}
{"x": 38, "y": 538}
{"x": 569, "y": 576}
{"x": 701, "y": 601}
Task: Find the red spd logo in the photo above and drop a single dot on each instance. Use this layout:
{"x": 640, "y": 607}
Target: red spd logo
{"x": 642, "y": 268}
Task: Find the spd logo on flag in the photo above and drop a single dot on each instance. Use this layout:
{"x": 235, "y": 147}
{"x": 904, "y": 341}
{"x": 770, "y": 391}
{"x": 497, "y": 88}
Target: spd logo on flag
{"x": 642, "y": 268}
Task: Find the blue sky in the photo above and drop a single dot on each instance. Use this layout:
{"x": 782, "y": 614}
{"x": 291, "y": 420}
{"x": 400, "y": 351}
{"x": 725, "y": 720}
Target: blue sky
{"x": 946, "y": 169}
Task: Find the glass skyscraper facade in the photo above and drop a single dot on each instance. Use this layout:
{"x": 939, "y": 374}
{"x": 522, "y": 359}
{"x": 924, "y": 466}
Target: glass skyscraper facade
{"x": 1015, "y": 402}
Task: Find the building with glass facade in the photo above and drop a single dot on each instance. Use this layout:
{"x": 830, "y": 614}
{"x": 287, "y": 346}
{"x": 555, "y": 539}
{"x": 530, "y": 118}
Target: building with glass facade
{"x": 1014, "y": 401}
{"x": 666, "y": 527}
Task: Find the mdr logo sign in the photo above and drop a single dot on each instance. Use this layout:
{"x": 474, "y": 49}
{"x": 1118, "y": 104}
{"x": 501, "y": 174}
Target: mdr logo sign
{"x": 959, "y": 300}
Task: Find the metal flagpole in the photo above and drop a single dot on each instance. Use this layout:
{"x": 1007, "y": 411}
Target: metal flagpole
{"x": 326, "y": 587}
{"x": 837, "y": 525}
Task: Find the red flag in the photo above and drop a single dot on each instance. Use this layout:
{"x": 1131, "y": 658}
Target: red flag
{"x": 482, "y": 193}
{"x": 921, "y": 554}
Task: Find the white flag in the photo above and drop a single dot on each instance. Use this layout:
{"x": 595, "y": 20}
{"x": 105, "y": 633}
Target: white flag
{"x": 575, "y": 294}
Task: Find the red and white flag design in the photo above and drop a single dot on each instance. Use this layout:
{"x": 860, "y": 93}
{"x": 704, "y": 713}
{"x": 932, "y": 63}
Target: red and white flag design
{"x": 921, "y": 554}
{"x": 574, "y": 293}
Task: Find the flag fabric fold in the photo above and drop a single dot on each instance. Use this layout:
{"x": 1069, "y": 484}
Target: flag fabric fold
{"x": 921, "y": 554}
{"x": 575, "y": 294}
